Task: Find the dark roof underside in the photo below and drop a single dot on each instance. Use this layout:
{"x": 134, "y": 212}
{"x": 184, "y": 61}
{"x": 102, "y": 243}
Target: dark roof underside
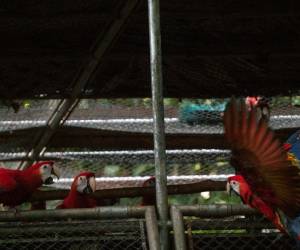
{"x": 210, "y": 48}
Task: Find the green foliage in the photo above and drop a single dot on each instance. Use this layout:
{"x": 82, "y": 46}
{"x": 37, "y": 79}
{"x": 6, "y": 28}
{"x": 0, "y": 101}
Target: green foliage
{"x": 296, "y": 100}
{"x": 140, "y": 169}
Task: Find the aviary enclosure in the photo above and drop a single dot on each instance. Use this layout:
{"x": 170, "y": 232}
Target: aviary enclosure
{"x": 89, "y": 85}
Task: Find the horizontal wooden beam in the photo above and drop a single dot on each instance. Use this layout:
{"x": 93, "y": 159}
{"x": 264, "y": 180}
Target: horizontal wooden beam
{"x": 76, "y": 137}
{"x": 207, "y": 185}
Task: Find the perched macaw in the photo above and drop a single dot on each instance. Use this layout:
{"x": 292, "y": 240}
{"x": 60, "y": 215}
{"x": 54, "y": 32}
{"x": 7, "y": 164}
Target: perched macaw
{"x": 16, "y": 186}
{"x": 262, "y": 105}
{"x": 149, "y": 200}
{"x": 267, "y": 179}
{"x": 83, "y": 184}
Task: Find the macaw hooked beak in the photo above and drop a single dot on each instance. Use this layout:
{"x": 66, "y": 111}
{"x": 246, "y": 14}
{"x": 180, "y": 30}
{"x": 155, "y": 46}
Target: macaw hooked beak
{"x": 228, "y": 188}
{"x": 91, "y": 186}
{"x": 55, "y": 171}
{"x": 92, "y": 183}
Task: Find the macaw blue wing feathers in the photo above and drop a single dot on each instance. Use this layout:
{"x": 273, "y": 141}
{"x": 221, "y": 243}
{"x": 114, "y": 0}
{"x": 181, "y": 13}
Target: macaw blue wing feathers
{"x": 293, "y": 144}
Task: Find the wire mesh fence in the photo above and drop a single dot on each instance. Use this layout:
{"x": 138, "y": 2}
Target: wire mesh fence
{"x": 141, "y": 163}
{"x": 237, "y": 232}
{"x": 132, "y": 167}
{"x": 74, "y": 235}
{"x": 132, "y": 116}
{"x": 136, "y": 114}
{"x": 133, "y": 163}
{"x": 225, "y": 227}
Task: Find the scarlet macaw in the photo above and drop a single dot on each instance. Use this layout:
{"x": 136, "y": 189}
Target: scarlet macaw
{"x": 267, "y": 178}
{"x": 149, "y": 200}
{"x": 83, "y": 184}
{"x": 16, "y": 186}
{"x": 262, "y": 105}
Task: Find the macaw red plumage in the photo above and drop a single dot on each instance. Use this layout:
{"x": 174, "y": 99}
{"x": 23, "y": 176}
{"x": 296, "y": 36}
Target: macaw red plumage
{"x": 261, "y": 104}
{"x": 264, "y": 170}
{"x": 238, "y": 184}
{"x": 16, "y": 186}
{"x": 83, "y": 184}
{"x": 149, "y": 200}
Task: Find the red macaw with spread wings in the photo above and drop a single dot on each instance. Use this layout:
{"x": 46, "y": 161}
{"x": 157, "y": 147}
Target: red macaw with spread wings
{"x": 266, "y": 178}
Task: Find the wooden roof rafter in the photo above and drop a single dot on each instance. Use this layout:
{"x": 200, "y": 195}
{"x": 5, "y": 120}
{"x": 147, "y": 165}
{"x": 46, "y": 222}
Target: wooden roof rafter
{"x": 77, "y": 137}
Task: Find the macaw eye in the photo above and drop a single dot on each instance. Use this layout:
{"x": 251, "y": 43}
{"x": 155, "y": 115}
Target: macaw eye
{"x": 45, "y": 166}
{"x": 234, "y": 183}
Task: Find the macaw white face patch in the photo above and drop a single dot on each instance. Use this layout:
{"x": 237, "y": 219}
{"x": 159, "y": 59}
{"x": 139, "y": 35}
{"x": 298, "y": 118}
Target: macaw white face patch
{"x": 235, "y": 186}
{"x": 45, "y": 171}
{"x": 82, "y": 184}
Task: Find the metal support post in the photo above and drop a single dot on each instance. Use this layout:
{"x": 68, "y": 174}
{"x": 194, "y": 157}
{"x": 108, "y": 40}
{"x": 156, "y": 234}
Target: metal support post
{"x": 152, "y": 228}
{"x": 158, "y": 120}
{"x": 178, "y": 228}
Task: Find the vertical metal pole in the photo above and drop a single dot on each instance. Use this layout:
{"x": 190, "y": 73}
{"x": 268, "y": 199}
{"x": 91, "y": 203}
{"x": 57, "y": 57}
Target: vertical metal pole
{"x": 178, "y": 228}
{"x": 152, "y": 228}
{"x": 158, "y": 120}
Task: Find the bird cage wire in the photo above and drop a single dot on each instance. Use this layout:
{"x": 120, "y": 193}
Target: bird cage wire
{"x": 133, "y": 116}
{"x": 121, "y": 168}
{"x": 74, "y": 235}
{"x": 234, "y": 232}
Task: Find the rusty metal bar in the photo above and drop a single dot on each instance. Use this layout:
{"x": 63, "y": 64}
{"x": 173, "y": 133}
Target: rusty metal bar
{"x": 7, "y": 230}
{"x": 81, "y": 214}
{"x": 239, "y": 223}
{"x": 220, "y": 210}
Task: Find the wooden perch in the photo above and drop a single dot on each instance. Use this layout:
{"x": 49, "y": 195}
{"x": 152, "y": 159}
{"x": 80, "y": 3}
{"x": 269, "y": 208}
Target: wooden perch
{"x": 207, "y": 185}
